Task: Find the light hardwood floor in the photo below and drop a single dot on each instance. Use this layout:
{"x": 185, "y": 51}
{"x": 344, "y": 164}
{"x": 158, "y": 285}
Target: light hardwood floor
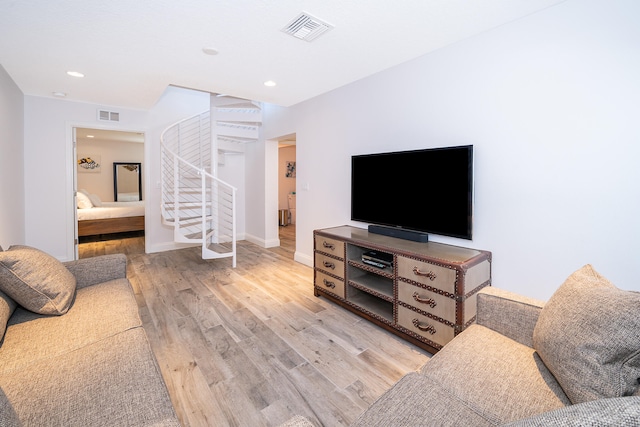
{"x": 252, "y": 346}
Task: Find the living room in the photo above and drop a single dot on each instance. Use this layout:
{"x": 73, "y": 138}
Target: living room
{"x": 549, "y": 102}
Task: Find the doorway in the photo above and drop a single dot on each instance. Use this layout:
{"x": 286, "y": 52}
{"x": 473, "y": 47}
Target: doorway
{"x": 102, "y": 218}
{"x": 287, "y": 197}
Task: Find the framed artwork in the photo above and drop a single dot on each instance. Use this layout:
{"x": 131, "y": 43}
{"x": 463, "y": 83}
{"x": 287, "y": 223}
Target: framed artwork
{"x": 291, "y": 170}
{"x": 90, "y": 164}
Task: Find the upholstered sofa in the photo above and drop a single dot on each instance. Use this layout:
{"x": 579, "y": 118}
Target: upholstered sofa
{"x": 574, "y": 361}
{"x": 73, "y": 351}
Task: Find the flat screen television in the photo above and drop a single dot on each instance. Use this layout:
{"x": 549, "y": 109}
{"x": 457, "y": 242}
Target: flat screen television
{"x": 429, "y": 191}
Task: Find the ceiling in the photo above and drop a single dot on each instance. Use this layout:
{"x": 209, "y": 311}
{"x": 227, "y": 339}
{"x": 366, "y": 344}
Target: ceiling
{"x": 130, "y": 51}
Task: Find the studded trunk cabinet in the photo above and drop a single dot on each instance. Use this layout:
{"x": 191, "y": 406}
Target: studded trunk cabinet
{"x": 423, "y": 292}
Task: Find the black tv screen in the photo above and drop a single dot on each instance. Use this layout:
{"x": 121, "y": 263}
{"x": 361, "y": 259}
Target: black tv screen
{"x": 429, "y": 190}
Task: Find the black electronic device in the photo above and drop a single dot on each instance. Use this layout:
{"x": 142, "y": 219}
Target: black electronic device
{"x": 378, "y": 259}
{"x": 426, "y": 191}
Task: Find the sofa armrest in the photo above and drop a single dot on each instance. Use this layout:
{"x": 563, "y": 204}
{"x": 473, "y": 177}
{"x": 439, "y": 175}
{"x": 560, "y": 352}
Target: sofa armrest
{"x": 91, "y": 271}
{"x": 509, "y": 314}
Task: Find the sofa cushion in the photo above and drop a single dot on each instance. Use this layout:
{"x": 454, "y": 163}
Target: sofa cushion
{"x": 588, "y": 335}
{"x": 99, "y": 269}
{"x": 7, "y": 306}
{"x": 99, "y": 311}
{"x": 416, "y": 400}
{"x": 613, "y": 412}
{"x": 503, "y": 379}
{"x": 36, "y": 280}
{"x": 113, "y": 382}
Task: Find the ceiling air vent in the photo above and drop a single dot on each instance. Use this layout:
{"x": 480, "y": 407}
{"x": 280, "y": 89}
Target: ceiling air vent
{"x": 108, "y": 116}
{"x": 306, "y": 27}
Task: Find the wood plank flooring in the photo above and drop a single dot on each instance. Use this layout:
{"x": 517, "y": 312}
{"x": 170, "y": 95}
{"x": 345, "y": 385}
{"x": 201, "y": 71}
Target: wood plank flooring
{"x": 252, "y": 346}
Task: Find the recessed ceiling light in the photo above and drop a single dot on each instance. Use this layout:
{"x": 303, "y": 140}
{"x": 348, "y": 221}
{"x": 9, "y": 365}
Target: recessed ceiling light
{"x": 90, "y": 136}
{"x": 59, "y": 94}
{"x": 75, "y": 74}
{"x": 270, "y": 83}
{"x": 209, "y": 51}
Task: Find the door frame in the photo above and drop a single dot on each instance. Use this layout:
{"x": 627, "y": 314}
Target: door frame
{"x": 72, "y": 177}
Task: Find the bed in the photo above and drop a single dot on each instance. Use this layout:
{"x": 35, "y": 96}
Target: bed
{"x": 109, "y": 217}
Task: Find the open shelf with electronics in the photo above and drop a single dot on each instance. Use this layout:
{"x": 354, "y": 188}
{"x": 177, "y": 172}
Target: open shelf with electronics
{"x": 422, "y": 291}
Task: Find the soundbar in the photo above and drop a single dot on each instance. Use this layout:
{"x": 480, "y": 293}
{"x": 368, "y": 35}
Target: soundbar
{"x": 414, "y": 236}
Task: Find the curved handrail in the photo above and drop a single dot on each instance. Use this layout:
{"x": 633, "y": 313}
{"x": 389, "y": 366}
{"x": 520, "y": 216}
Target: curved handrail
{"x": 181, "y": 159}
{"x": 217, "y": 216}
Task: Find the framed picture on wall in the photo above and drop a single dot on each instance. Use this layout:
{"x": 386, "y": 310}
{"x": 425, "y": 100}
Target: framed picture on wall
{"x": 90, "y": 164}
{"x": 291, "y": 170}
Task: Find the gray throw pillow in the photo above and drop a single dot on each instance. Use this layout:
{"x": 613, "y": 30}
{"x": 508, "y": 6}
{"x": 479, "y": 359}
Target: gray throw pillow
{"x": 7, "y": 306}
{"x": 35, "y": 280}
{"x": 588, "y": 335}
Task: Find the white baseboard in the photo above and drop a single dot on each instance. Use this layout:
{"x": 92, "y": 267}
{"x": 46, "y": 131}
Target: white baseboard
{"x": 170, "y": 246}
{"x": 303, "y": 259}
{"x": 166, "y": 246}
{"x": 272, "y": 243}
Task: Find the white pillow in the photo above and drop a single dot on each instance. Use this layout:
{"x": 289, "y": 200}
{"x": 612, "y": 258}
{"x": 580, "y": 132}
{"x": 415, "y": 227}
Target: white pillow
{"x": 83, "y": 201}
{"x": 95, "y": 200}
{"x": 83, "y": 191}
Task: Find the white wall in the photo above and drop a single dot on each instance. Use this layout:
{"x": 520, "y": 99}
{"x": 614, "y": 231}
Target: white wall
{"x": 262, "y": 193}
{"x": 49, "y": 211}
{"x": 233, "y": 172}
{"x": 550, "y": 103}
{"x": 12, "y": 189}
{"x": 49, "y": 165}
{"x": 175, "y": 104}
{"x": 101, "y": 183}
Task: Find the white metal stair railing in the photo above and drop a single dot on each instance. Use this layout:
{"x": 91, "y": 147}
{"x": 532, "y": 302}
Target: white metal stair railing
{"x": 199, "y": 206}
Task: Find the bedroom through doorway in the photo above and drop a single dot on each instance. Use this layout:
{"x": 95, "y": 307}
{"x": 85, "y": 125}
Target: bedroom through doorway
{"x": 109, "y": 191}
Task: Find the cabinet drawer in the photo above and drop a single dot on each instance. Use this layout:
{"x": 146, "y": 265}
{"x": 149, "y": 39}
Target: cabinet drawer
{"x": 329, "y": 246}
{"x": 329, "y": 284}
{"x": 427, "y": 274}
{"x": 330, "y": 265}
{"x": 428, "y": 328}
{"x": 431, "y": 302}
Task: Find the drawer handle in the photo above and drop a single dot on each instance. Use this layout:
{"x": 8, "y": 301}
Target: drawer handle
{"x": 328, "y": 284}
{"x": 428, "y": 328}
{"x": 432, "y": 303}
{"x": 330, "y": 265}
{"x": 328, "y": 245}
{"x": 431, "y": 275}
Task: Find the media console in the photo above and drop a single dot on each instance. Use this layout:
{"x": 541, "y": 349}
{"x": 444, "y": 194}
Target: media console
{"x": 423, "y": 292}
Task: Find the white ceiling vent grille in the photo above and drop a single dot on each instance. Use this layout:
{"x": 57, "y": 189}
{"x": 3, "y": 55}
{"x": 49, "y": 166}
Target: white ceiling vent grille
{"x": 108, "y": 116}
{"x": 306, "y": 27}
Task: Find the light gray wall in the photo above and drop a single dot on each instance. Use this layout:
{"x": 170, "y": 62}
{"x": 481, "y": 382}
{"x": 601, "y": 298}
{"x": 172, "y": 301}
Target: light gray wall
{"x": 175, "y": 104}
{"x": 101, "y": 184}
{"x": 550, "y": 103}
{"x": 47, "y": 213}
{"x": 12, "y": 222}
{"x": 49, "y": 166}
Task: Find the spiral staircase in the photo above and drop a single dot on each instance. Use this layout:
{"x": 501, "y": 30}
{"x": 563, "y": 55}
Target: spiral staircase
{"x": 200, "y": 207}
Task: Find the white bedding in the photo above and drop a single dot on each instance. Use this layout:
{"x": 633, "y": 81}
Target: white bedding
{"x": 112, "y": 210}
